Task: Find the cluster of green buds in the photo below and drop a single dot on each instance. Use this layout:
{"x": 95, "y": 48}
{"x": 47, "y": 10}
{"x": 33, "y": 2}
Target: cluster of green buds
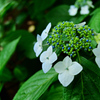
{"x": 69, "y": 38}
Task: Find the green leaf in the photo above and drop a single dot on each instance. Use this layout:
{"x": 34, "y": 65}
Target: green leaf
{"x": 6, "y": 75}
{"x": 41, "y": 5}
{"x": 3, "y": 4}
{"x": 95, "y": 20}
{"x": 78, "y": 19}
{"x": 34, "y": 87}
{"x": 90, "y": 65}
{"x": 25, "y": 44}
{"x": 6, "y": 53}
{"x": 21, "y": 17}
{"x": 91, "y": 85}
{"x": 57, "y": 14}
{"x": 1, "y": 86}
{"x": 55, "y": 93}
{"x": 18, "y": 72}
{"x": 6, "y": 5}
{"x": 58, "y": 92}
{"x": 91, "y": 79}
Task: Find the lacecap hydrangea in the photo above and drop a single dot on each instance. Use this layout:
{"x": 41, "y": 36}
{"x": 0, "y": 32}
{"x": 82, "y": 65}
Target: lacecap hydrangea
{"x": 70, "y": 38}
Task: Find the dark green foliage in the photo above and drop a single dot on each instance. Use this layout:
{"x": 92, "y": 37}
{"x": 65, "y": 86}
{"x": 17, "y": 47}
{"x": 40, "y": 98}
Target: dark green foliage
{"x": 7, "y": 52}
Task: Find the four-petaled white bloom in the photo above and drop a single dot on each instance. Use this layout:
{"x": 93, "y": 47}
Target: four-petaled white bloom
{"x": 96, "y": 52}
{"x": 46, "y": 31}
{"x": 73, "y": 10}
{"x": 67, "y": 69}
{"x": 84, "y": 10}
{"x": 47, "y": 58}
{"x": 38, "y": 45}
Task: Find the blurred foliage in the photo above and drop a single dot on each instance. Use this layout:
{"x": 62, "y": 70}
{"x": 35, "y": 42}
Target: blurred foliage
{"x": 17, "y": 58}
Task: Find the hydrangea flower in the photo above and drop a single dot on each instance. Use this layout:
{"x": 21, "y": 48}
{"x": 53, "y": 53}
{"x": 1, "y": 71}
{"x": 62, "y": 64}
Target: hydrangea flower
{"x": 46, "y": 31}
{"x": 73, "y": 10}
{"x": 47, "y": 58}
{"x": 38, "y": 45}
{"x": 67, "y": 69}
{"x": 96, "y": 52}
{"x": 84, "y": 10}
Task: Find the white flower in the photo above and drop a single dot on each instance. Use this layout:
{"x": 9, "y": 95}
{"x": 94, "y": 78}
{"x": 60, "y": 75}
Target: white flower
{"x": 47, "y": 58}
{"x": 67, "y": 69}
{"x": 84, "y": 10}
{"x": 38, "y": 46}
{"x": 96, "y": 52}
{"x": 46, "y": 31}
{"x": 73, "y": 10}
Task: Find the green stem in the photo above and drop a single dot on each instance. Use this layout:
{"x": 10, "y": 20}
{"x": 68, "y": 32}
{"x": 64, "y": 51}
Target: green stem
{"x": 64, "y": 95}
{"x": 81, "y": 76}
{"x": 82, "y": 86}
{"x": 78, "y": 57}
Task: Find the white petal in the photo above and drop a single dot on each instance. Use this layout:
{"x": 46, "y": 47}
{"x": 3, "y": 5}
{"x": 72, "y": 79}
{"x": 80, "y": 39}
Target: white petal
{"x": 73, "y": 10}
{"x": 96, "y": 52}
{"x": 98, "y": 45}
{"x": 80, "y": 24}
{"x": 53, "y": 57}
{"x": 59, "y": 67}
{"x": 65, "y": 78}
{"x": 48, "y": 27}
{"x": 75, "y": 69}
{"x": 43, "y": 56}
{"x": 39, "y": 39}
{"x": 49, "y": 51}
{"x": 46, "y": 66}
{"x": 72, "y": 6}
{"x": 45, "y": 32}
{"x": 84, "y": 10}
{"x": 38, "y": 51}
{"x": 44, "y": 35}
{"x": 97, "y": 59}
{"x": 90, "y": 4}
{"x": 46, "y": 54}
{"x": 36, "y": 46}
{"x": 67, "y": 61}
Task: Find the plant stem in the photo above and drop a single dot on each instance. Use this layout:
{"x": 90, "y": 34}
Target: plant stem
{"x": 82, "y": 86}
{"x": 64, "y": 95}
{"x": 78, "y": 57}
{"x": 81, "y": 76}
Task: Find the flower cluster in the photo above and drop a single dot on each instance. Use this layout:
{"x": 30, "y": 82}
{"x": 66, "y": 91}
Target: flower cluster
{"x": 83, "y": 4}
{"x": 68, "y": 38}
